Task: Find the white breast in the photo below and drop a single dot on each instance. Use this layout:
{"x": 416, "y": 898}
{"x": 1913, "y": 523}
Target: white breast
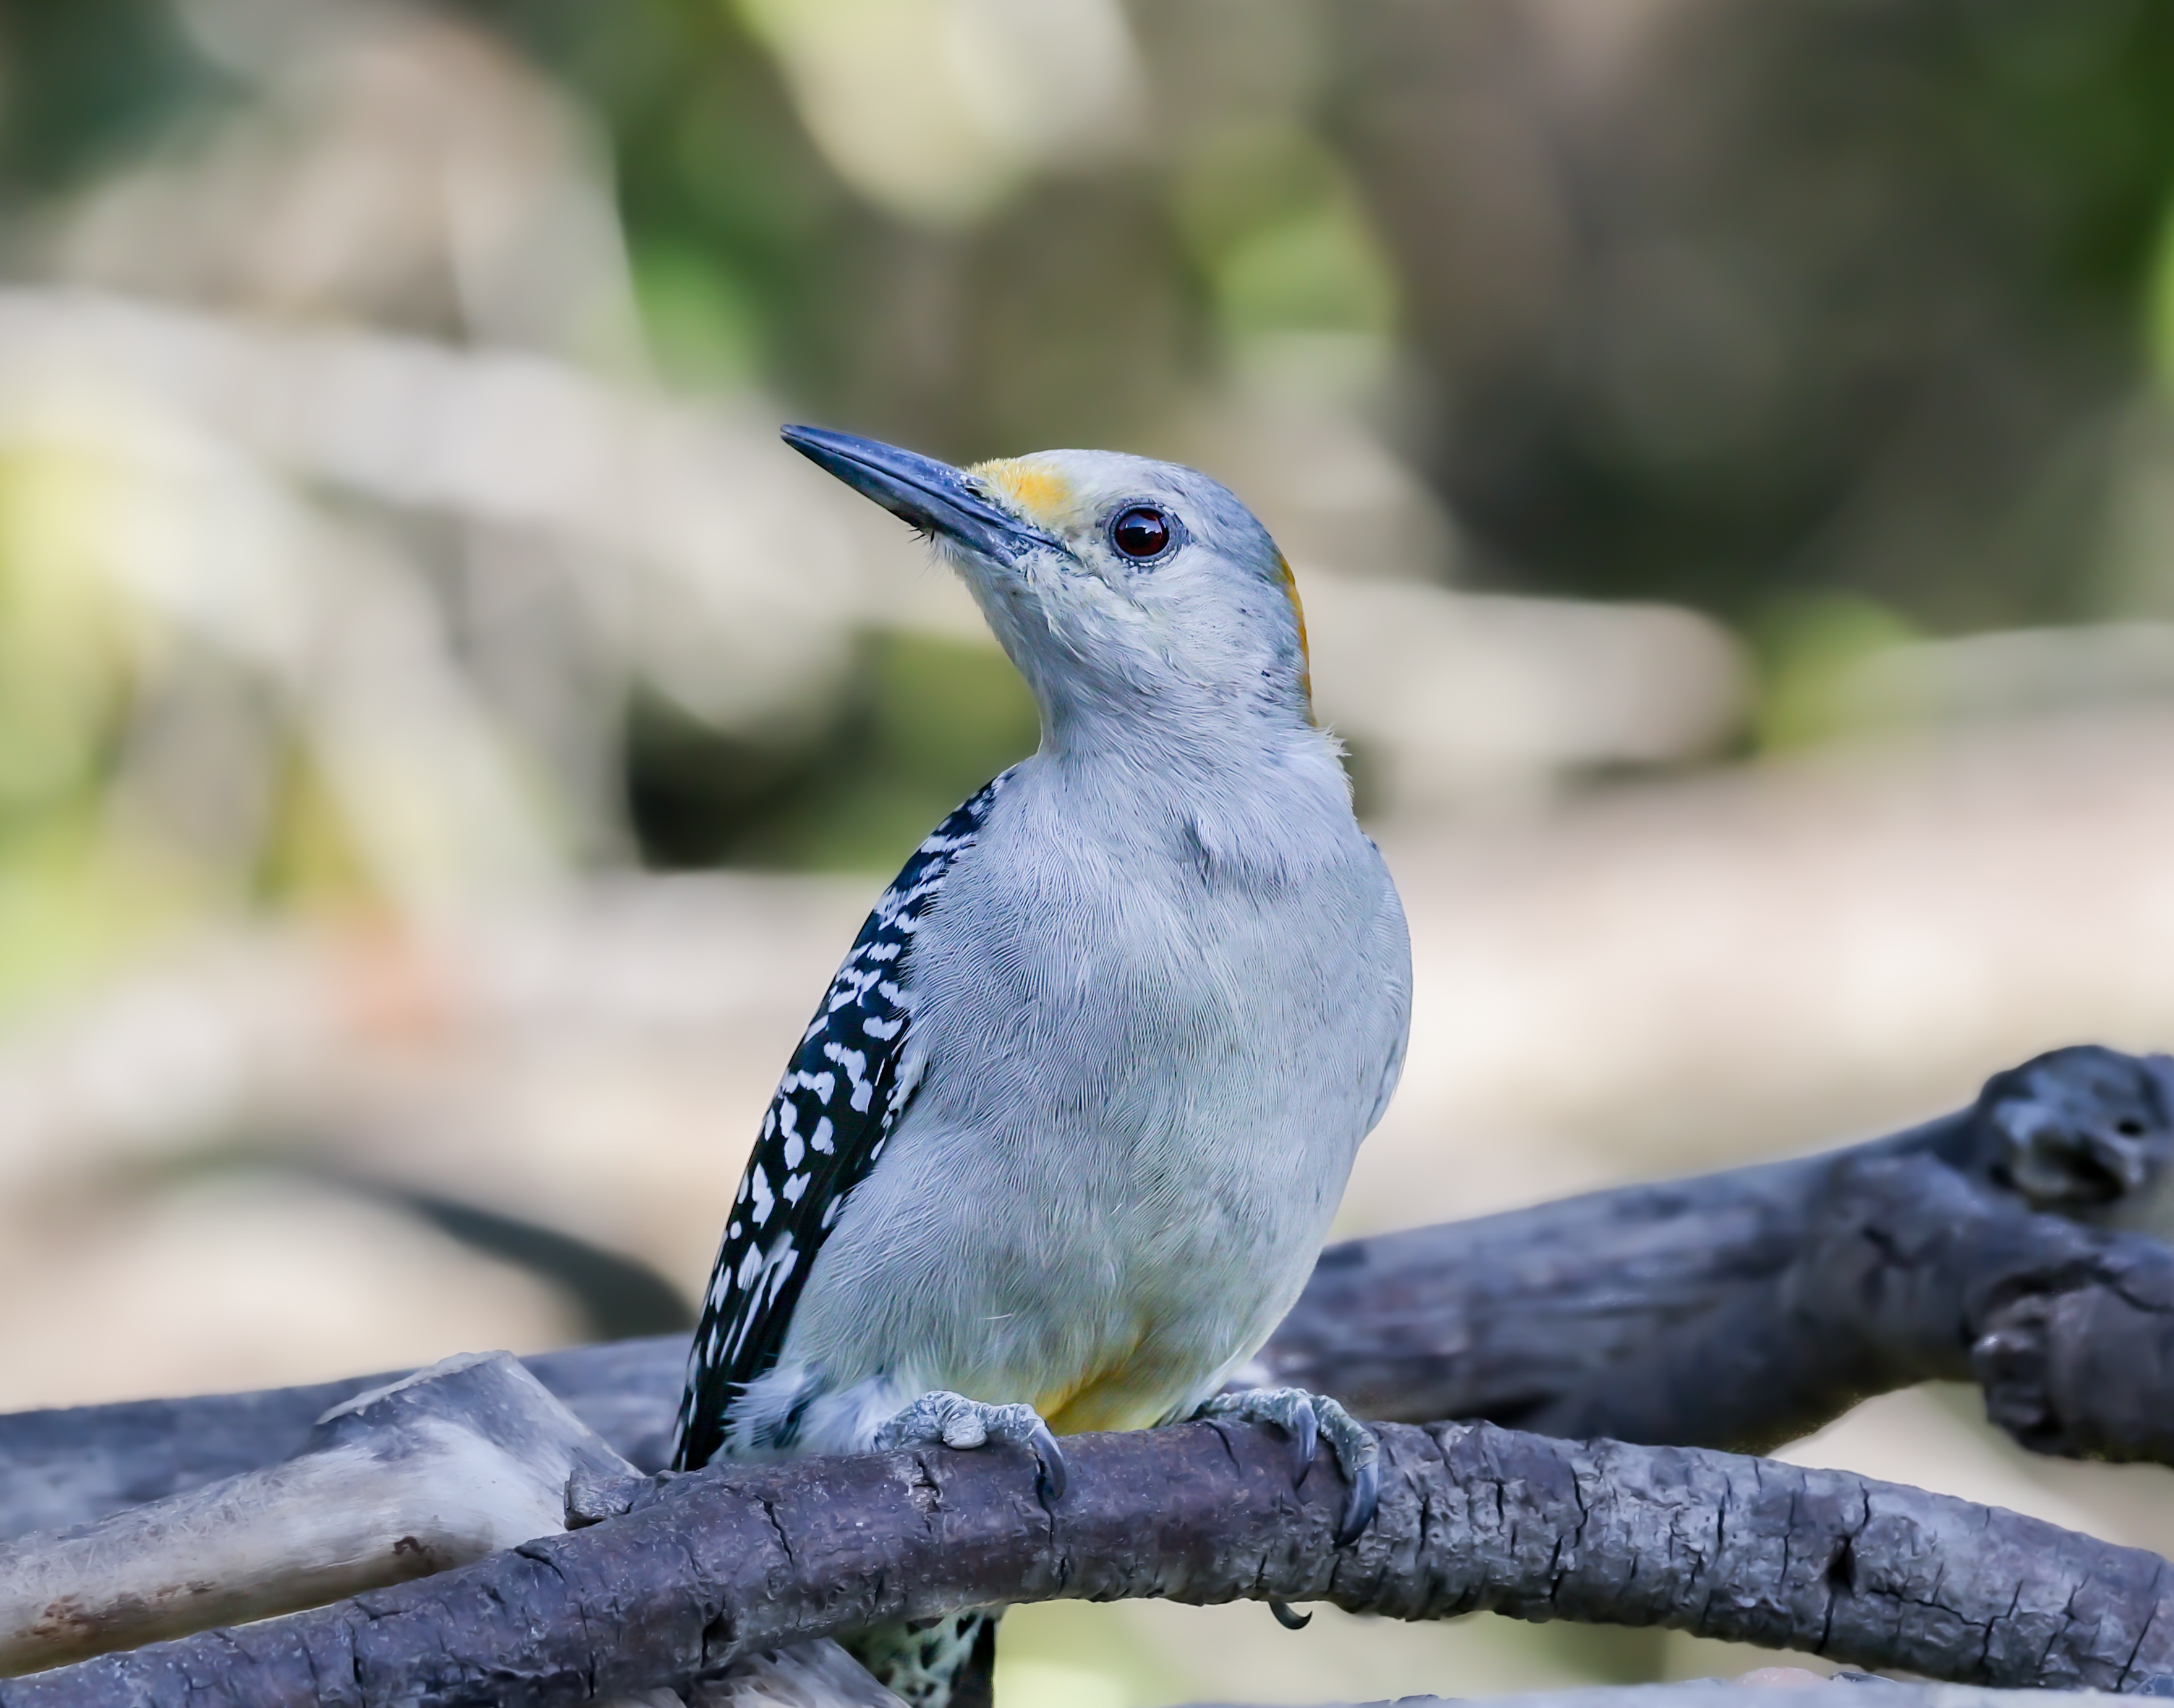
{"x": 1146, "y": 1062}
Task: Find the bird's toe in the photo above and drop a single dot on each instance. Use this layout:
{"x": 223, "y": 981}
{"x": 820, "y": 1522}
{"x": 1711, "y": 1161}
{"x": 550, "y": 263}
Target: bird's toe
{"x": 1360, "y": 1504}
{"x": 1294, "y": 1411}
{"x": 953, "y": 1420}
{"x": 1050, "y": 1457}
{"x": 1359, "y": 1457}
{"x": 1309, "y": 1419}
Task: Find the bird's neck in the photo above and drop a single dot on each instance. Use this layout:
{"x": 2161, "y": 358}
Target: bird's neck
{"x": 1241, "y": 791}
{"x": 1197, "y": 736}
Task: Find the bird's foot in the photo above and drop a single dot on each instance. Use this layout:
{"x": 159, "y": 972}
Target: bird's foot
{"x": 1307, "y": 1419}
{"x": 953, "y": 1420}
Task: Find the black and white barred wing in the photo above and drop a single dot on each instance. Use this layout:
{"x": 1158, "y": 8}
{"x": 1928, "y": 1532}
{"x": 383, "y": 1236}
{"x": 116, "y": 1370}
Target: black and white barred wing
{"x": 840, "y": 1096}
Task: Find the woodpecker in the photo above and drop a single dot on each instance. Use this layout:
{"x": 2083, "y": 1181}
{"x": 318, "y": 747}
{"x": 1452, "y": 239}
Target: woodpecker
{"x": 1063, "y": 1141}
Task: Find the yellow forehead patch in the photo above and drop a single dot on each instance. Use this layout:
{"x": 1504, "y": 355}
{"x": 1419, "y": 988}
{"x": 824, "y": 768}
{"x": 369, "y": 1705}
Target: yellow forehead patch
{"x": 1035, "y": 489}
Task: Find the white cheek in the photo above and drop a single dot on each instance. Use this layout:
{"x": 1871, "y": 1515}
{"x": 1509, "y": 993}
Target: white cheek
{"x": 1095, "y": 614}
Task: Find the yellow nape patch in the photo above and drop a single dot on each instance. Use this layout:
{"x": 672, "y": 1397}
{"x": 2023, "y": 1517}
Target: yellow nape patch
{"x": 1298, "y": 610}
{"x": 1035, "y": 489}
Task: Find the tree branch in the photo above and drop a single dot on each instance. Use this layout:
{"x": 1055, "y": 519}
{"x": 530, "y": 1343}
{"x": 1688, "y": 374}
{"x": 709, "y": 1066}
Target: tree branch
{"x": 454, "y": 1464}
{"x": 1739, "y": 1308}
{"x": 726, "y": 1563}
{"x": 73, "y": 1464}
{"x": 1745, "y": 1308}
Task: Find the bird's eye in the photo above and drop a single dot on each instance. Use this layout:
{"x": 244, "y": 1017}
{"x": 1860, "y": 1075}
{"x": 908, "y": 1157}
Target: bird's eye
{"x": 1141, "y": 532}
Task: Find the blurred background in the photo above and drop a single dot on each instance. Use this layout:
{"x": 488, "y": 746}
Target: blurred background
{"x": 446, "y": 742}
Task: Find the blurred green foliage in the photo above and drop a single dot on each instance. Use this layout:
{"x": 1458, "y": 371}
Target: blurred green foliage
{"x": 928, "y": 722}
{"x": 86, "y": 85}
{"x": 735, "y": 224}
{"x": 1829, "y": 296}
{"x": 1809, "y": 647}
{"x": 1805, "y": 294}
{"x": 71, "y": 901}
{"x": 1812, "y": 295}
{"x": 1831, "y": 318}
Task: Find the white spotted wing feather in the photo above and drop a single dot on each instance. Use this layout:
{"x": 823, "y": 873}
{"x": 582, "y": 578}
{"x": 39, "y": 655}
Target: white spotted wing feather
{"x": 840, "y": 1096}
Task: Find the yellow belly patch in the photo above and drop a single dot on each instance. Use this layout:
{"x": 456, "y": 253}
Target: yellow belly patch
{"x": 1130, "y": 1394}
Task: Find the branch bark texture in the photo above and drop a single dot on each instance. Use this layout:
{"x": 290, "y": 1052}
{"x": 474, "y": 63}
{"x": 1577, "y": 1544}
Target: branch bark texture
{"x": 725, "y": 1563}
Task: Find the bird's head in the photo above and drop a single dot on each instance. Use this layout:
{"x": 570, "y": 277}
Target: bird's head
{"x": 1124, "y": 590}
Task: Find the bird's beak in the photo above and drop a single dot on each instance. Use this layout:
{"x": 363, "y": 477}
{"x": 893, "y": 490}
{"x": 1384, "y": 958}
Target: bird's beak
{"x": 932, "y": 496}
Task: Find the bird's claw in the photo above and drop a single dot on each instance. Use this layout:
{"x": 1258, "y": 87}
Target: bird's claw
{"x": 1306, "y": 1419}
{"x": 953, "y": 1420}
{"x": 1365, "y": 1496}
{"x": 1050, "y": 1457}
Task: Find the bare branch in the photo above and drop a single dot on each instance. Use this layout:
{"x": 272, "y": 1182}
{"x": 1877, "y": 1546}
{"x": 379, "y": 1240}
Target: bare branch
{"x": 727, "y": 1563}
{"x": 1745, "y": 1308}
{"x": 1737, "y": 1308}
{"x": 455, "y": 1462}
{"x": 76, "y": 1463}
